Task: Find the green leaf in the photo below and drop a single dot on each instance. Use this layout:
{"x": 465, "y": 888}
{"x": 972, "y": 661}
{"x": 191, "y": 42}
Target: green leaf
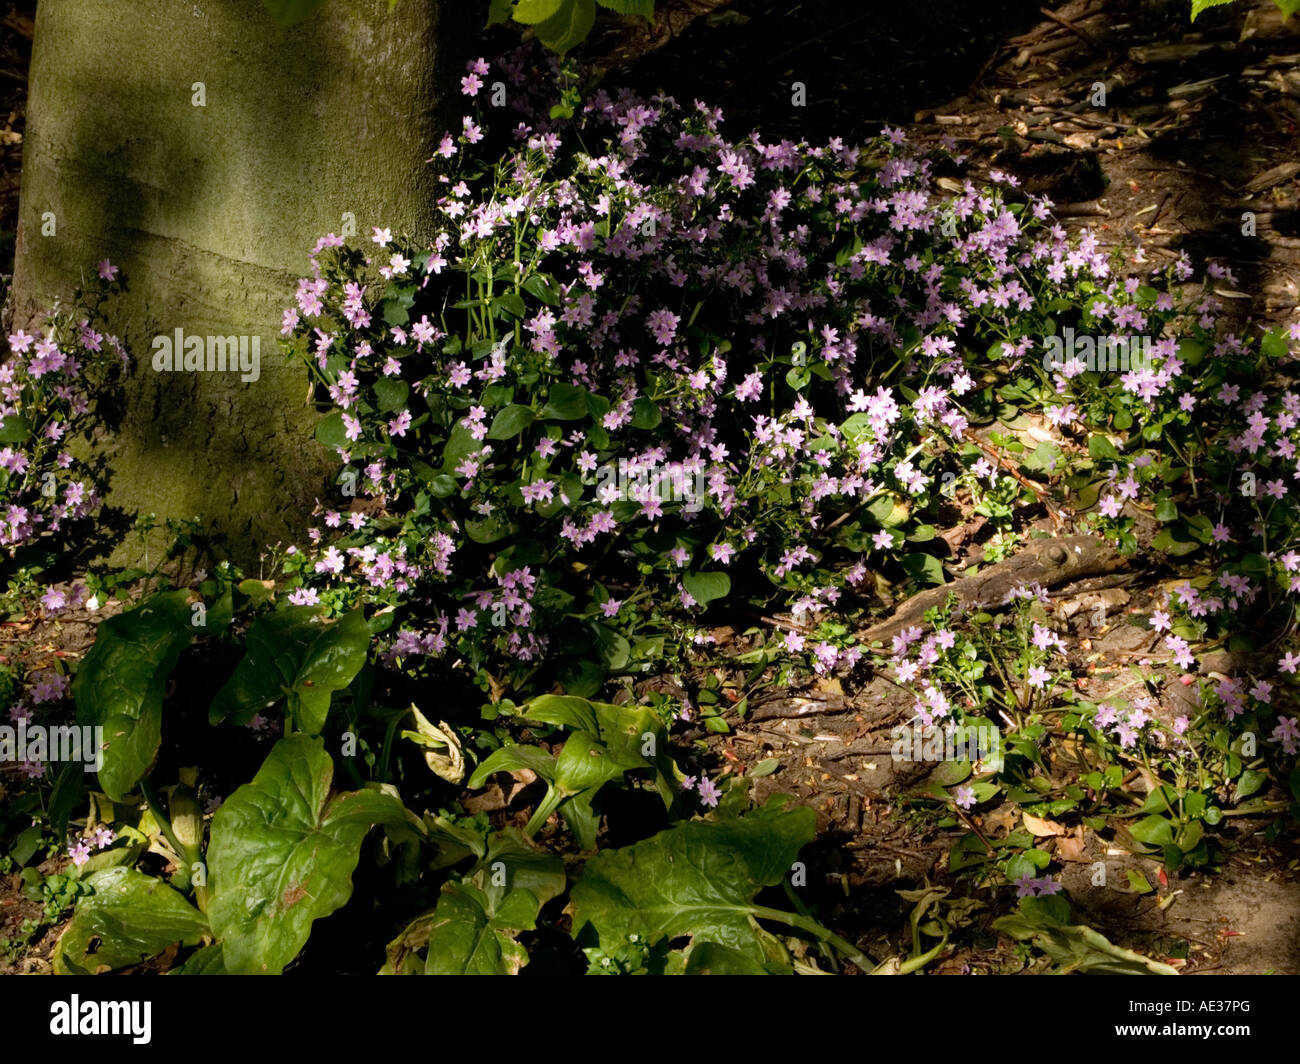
{"x": 1248, "y": 783}
{"x": 566, "y": 402}
{"x": 540, "y": 287}
{"x": 707, "y": 587}
{"x": 121, "y": 682}
{"x": 287, "y": 12}
{"x": 471, "y": 934}
{"x": 207, "y": 961}
{"x": 698, "y": 879}
{"x": 256, "y": 591}
{"x": 294, "y": 653}
{"x": 530, "y": 12}
{"x": 512, "y": 303}
{"x": 569, "y": 26}
{"x": 1199, "y": 6}
{"x": 1102, "y": 449}
{"x": 511, "y": 421}
{"x": 489, "y": 530}
{"x": 708, "y": 958}
{"x": 282, "y": 854}
{"x": 331, "y": 432}
{"x": 129, "y": 918}
{"x": 1153, "y": 830}
{"x": 391, "y": 393}
{"x": 473, "y": 927}
{"x": 460, "y": 445}
{"x": 498, "y": 12}
{"x": 14, "y": 429}
{"x": 1287, "y": 7}
{"x": 511, "y": 758}
{"x": 924, "y": 568}
{"x": 645, "y": 414}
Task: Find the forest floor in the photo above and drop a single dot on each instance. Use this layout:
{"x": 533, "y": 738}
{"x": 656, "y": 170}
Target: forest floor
{"x": 1200, "y": 125}
{"x": 1199, "y": 132}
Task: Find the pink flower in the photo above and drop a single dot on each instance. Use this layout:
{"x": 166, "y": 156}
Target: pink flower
{"x": 709, "y": 792}
{"x": 107, "y": 271}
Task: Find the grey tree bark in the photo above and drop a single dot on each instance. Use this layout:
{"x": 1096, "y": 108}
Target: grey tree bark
{"x": 202, "y": 148}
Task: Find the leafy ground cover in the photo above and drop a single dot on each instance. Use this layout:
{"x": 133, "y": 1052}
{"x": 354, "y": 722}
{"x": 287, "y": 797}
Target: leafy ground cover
{"x": 677, "y": 440}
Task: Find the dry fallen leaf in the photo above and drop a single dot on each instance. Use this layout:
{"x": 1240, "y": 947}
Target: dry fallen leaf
{"x": 1042, "y": 828}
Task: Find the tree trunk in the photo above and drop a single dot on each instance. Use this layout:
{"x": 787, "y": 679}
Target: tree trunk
{"x": 202, "y": 148}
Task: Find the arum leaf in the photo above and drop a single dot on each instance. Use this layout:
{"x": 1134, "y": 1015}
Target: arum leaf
{"x": 128, "y": 919}
{"x": 294, "y": 653}
{"x": 698, "y": 878}
{"x": 207, "y": 961}
{"x": 568, "y": 26}
{"x": 534, "y": 11}
{"x": 282, "y": 853}
{"x": 121, "y": 683}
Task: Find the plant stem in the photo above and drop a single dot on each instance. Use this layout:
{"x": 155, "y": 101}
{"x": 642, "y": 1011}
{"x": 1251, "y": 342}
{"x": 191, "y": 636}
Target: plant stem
{"x": 822, "y": 934}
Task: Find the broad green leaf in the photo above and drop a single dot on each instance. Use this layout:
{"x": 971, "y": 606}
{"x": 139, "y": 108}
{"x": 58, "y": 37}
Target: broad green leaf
{"x": 471, "y": 930}
{"x": 531, "y": 12}
{"x": 391, "y": 393}
{"x": 1102, "y": 449}
{"x": 470, "y": 934}
{"x": 707, "y": 587}
{"x": 498, "y": 12}
{"x": 924, "y": 568}
{"x": 540, "y": 287}
{"x": 1248, "y": 783}
{"x": 645, "y": 414}
{"x": 510, "y": 759}
{"x": 282, "y": 854}
{"x": 1199, "y": 6}
{"x": 294, "y": 653}
{"x": 1153, "y": 830}
{"x": 565, "y": 402}
{"x": 460, "y": 445}
{"x": 568, "y": 27}
{"x": 512, "y": 861}
{"x": 331, "y": 432}
{"x": 14, "y": 429}
{"x": 697, "y": 879}
{"x": 510, "y": 422}
{"x": 129, "y": 918}
{"x": 121, "y": 682}
{"x": 207, "y": 961}
{"x": 512, "y": 303}
{"x": 708, "y": 958}
{"x": 489, "y": 530}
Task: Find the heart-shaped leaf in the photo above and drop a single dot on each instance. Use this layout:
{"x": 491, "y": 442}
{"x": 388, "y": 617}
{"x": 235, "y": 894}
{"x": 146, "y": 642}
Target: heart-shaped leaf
{"x": 698, "y": 878}
{"x": 282, "y": 854}
{"x": 294, "y": 653}
{"x": 129, "y": 918}
{"x": 121, "y": 683}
